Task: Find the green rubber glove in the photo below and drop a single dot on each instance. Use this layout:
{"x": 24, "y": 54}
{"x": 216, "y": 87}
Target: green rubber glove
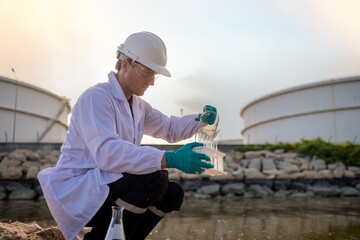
{"x": 188, "y": 161}
{"x": 209, "y": 115}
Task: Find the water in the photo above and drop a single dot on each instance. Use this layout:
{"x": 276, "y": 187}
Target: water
{"x": 309, "y": 219}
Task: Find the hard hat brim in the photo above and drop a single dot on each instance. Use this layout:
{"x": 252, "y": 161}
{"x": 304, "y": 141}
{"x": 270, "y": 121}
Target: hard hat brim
{"x": 153, "y": 66}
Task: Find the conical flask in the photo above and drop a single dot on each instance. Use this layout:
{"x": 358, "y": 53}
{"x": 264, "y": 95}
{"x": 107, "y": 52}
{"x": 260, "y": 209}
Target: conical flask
{"x": 116, "y": 230}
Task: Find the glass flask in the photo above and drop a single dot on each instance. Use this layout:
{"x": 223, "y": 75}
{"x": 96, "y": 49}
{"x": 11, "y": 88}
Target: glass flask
{"x": 116, "y": 230}
{"x": 209, "y": 122}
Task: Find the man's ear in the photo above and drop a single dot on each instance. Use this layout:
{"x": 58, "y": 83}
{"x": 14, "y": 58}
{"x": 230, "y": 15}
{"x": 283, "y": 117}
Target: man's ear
{"x": 125, "y": 65}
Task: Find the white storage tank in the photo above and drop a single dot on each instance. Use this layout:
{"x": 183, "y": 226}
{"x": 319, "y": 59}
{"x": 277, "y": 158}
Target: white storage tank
{"x": 31, "y": 114}
{"x": 327, "y": 109}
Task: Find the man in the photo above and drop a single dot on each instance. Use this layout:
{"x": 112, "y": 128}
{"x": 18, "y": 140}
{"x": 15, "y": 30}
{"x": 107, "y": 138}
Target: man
{"x": 102, "y": 163}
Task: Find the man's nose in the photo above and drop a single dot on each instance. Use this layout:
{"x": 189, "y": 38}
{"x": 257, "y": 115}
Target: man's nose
{"x": 151, "y": 81}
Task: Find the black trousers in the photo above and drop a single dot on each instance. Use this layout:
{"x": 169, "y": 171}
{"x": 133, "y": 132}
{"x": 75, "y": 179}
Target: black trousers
{"x": 146, "y": 199}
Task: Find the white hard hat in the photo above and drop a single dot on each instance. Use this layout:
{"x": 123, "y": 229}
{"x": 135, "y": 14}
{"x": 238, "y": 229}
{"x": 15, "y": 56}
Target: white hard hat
{"x": 147, "y": 49}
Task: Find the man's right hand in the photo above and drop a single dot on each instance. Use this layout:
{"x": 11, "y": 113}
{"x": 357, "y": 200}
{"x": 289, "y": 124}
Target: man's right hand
{"x": 188, "y": 161}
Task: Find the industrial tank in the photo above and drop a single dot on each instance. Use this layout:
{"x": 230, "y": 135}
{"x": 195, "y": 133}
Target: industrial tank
{"x": 327, "y": 109}
{"x": 31, "y": 114}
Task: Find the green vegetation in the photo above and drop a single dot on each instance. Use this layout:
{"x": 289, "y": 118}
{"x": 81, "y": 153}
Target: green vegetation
{"x": 348, "y": 153}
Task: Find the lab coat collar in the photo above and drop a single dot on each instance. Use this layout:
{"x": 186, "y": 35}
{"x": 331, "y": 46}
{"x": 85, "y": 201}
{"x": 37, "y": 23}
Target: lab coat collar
{"x": 116, "y": 89}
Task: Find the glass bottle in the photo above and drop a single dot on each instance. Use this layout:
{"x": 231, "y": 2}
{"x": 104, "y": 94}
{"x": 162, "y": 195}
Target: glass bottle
{"x": 116, "y": 230}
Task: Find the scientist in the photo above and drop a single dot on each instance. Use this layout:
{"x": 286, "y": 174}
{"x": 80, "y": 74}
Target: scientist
{"x": 102, "y": 163}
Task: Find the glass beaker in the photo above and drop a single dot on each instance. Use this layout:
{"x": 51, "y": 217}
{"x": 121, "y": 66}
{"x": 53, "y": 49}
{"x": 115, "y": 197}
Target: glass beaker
{"x": 209, "y": 121}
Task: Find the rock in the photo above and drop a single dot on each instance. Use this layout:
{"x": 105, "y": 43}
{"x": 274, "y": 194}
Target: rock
{"x": 252, "y": 173}
{"x": 32, "y": 156}
{"x": 298, "y": 186}
{"x": 10, "y": 162}
{"x": 238, "y": 156}
{"x": 287, "y": 155}
{"x": 22, "y": 194}
{"x": 249, "y": 195}
{"x": 292, "y": 161}
{"x": 258, "y": 191}
{"x": 348, "y": 191}
{"x": 349, "y": 174}
{"x": 33, "y": 171}
{"x": 12, "y": 173}
{"x": 273, "y": 172}
{"x": 221, "y": 177}
{"x": 47, "y": 165}
{"x": 312, "y": 175}
{"x": 255, "y": 163}
{"x": 327, "y": 174}
{"x": 296, "y": 175}
{"x": 191, "y": 185}
{"x": 255, "y": 154}
{"x": 268, "y": 164}
{"x": 318, "y": 164}
{"x": 333, "y": 166}
{"x": 305, "y": 164}
{"x": 238, "y": 173}
{"x": 190, "y": 176}
{"x": 31, "y": 231}
{"x": 301, "y": 195}
{"x": 17, "y": 155}
{"x": 279, "y": 151}
{"x": 28, "y": 164}
{"x": 245, "y": 163}
{"x": 355, "y": 170}
{"x": 236, "y": 188}
{"x": 288, "y": 167}
{"x": 282, "y": 193}
{"x": 325, "y": 191}
{"x": 357, "y": 186}
{"x": 339, "y": 172}
{"x": 271, "y": 155}
{"x": 201, "y": 196}
{"x": 212, "y": 189}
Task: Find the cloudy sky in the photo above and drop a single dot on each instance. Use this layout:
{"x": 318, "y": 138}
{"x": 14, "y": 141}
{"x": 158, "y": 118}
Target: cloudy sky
{"x": 225, "y": 53}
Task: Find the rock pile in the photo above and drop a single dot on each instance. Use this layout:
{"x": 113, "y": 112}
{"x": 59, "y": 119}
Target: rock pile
{"x": 250, "y": 174}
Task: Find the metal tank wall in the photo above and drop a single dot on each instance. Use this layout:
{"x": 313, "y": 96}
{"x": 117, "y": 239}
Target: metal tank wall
{"x": 328, "y": 109}
{"x": 40, "y": 116}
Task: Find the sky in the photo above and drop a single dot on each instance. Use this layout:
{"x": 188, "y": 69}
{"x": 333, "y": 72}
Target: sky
{"x": 224, "y": 53}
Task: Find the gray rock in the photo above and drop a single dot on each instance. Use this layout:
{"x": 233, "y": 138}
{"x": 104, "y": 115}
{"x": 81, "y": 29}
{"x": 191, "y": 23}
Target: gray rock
{"x": 238, "y": 173}
{"x": 22, "y": 194}
{"x": 32, "y": 172}
{"x": 191, "y": 185}
{"x": 312, "y": 175}
{"x": 301, "y": 195}
{"x": 32, "y": 156}
{"x": 271, "y": 155}
{"x": 255, "y": 163}
{"x": 268, "y": 164}
{"x": 357, "y": 186}
{"x": 288, "y": 167}
{"x": 292, "y": 161}
{"x": 339, "y": 172}
{"x": 235, "y": 188}
{"x": 282, "y": 193}
{"x": 255, "y": 154}
{"x": 327, "y": 174}
{"x": 249, "y": 194}
{"x": 11, "y": 186}
{"x": 318, "y": 164}
{"x": 10, "y": 162}
{"x": 305, "y": 164}
{"x": 355, "y": 170}
{"x": 279, "y": 151}
{"x": 258, "y": 191}
{"x": 348, "y": 191}
{"x": 325, "y": 191}
{"x": 268, "y": 190}
{"x": 333, "y": 166}
{"x": 12, "y": 173}
{"x": 349, "y": 174}
{"x": 3, "y": 195}
{"x": 298, "y": 186}
{"x": 245, "y": 163}
{"x": 201, "y": 196}
{"x": 238, "y": 156}
{"x": 212, "y": 189}
{"x": 17, "y": 155}
{"x": 252, "y": 173}
{"x": 287, "y": 155}
{"x": 273, "y": 172}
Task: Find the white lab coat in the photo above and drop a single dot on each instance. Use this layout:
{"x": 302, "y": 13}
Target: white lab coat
{"x": 103, "y": 141}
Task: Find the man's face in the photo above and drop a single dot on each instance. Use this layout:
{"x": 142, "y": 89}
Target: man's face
{"x": 139, "y": 78}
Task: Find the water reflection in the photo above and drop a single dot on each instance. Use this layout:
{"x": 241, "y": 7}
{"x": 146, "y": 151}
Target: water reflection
{"x": 313, "y": 218}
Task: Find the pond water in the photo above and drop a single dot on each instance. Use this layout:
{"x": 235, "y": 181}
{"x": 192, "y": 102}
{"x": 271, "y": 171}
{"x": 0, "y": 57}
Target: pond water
{"x": 310, "y": 218}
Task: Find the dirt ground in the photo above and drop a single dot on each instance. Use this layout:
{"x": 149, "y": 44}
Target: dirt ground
{"x": 30, "y": 231}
